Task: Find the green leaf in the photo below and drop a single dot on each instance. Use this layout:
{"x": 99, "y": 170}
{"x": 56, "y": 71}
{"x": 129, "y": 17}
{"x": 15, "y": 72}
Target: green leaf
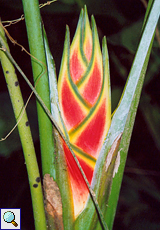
{"x": 151, "y": 114}
{"x": 122, "y": 122}
{"x": 128, "y": 37}
{"x": 59, "y": 165}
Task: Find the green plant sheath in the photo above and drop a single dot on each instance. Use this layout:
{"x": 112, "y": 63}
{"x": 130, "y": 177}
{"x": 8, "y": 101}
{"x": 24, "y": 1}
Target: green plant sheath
{"x": 39, "y": 67}
{"x": 25, "y": 137}
{"x": 139, "y": 67}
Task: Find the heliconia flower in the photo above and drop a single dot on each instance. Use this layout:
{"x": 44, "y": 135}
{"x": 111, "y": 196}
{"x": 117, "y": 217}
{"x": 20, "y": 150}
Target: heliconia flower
{"x": 84, "y": 98}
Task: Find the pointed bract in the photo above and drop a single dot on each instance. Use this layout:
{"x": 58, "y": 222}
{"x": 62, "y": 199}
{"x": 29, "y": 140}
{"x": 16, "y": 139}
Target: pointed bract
{"x": 84, "y": 98}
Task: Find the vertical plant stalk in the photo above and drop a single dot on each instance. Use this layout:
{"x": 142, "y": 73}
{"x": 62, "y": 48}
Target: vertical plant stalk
{"x": 36, "y": 45}
{"x": 25, "y": 137}
{"x": 48, "y": 150}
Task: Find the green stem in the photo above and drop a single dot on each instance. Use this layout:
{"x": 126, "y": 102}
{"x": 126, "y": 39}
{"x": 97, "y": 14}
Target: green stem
{"x": 36, "y": 45}
{"x": 25, "y": 137}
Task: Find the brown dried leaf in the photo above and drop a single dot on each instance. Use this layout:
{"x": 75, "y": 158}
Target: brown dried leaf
{"x": 53, "y": 202}
{"x": 114, "y": 155}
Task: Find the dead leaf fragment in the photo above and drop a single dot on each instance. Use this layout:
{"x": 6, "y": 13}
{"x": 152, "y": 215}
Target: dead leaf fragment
{"x": 53, "y": 202}
{"x": 114, "y": 152}
{"x": 117, "y": 164}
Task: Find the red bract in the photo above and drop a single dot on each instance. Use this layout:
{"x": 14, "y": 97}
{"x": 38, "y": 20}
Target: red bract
{"x": 84, "y": 97}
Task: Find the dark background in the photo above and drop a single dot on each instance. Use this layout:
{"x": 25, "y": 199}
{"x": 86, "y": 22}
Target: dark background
{"x": 121, "y": 22}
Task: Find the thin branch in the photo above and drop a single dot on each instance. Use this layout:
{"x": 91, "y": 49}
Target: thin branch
{"x": 12, "y": 22}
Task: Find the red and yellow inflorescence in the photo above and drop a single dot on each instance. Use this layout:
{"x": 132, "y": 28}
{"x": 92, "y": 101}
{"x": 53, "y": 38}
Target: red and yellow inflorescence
{"x": 84, "y": 98}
